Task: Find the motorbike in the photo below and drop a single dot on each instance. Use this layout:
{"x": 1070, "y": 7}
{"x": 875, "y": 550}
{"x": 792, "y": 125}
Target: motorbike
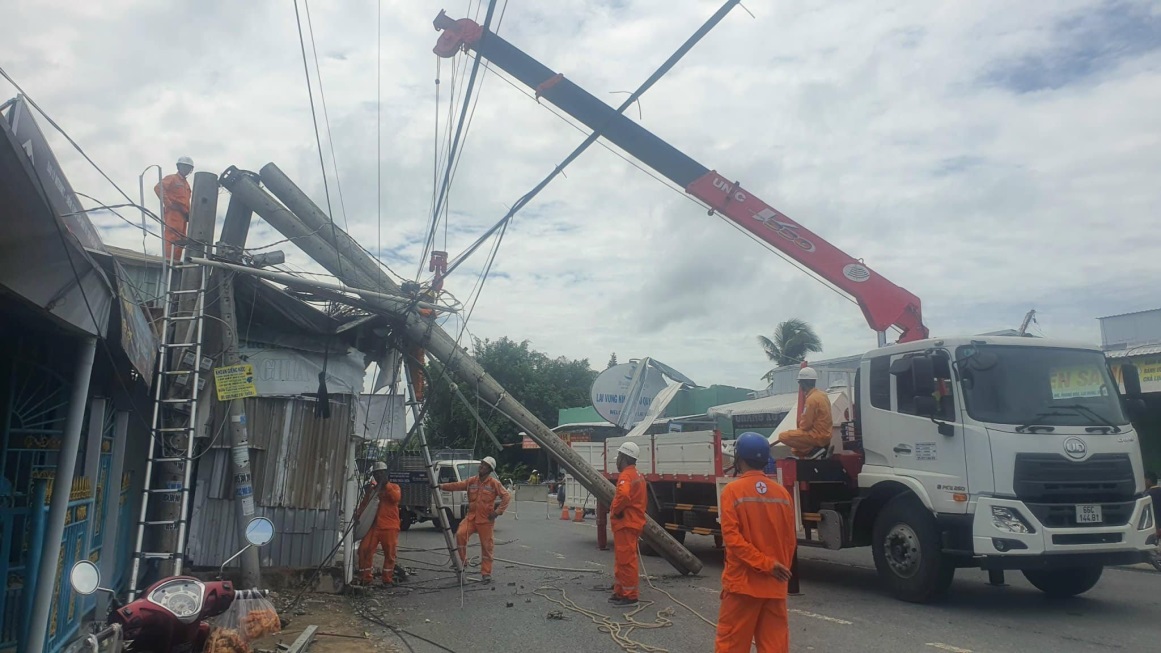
{"x": 171, "y": 614}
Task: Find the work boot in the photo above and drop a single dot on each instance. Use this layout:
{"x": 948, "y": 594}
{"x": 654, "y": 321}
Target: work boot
{"x": 622, "y": 601}
{"x": 485, "y": 579}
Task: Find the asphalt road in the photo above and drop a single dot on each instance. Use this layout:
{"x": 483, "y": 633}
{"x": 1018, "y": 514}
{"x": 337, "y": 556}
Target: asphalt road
{"x": 841, "y": 608}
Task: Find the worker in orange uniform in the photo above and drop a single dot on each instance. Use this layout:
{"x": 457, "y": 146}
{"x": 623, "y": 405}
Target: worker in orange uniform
{"x": 385, "y": 532}
{"x": 627, "y": 513}
{"x": 812, "y": 437}
{"x": 483, "y": 490}
{"x": 758, "y": 529}
{"x": 175, "y": 193}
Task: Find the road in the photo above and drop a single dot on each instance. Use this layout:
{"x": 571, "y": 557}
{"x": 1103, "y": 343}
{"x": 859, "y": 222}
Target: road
{"x": 841, "y": 607}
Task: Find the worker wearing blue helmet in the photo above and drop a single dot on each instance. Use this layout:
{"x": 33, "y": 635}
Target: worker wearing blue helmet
{"x": 758, "y": 531}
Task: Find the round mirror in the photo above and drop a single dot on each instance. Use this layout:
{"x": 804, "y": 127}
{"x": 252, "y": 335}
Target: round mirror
{"x": 259, "y": 531}
{"x": 85, "y": 578}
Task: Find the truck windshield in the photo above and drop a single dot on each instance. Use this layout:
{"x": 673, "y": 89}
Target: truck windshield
{"x": 1038, "y": 385}
{"x": 468, "y": 470}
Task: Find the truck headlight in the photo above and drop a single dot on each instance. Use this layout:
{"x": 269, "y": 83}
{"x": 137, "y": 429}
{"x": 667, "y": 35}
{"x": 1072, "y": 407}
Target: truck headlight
{"x": 1146, "y": 522}
{"x": 1010, "y": 520}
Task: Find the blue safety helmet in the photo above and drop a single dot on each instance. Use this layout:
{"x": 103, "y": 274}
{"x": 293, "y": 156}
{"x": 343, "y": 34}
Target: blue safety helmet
{"x": 753, "y": 448}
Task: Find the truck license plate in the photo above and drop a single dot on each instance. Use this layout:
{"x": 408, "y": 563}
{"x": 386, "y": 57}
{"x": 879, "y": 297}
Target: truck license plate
{"x": 1089, "y": 514}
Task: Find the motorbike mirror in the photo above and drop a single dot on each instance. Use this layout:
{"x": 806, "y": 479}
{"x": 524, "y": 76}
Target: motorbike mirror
{"x": 259, "y": 531}
{"x": 85, "y": 578}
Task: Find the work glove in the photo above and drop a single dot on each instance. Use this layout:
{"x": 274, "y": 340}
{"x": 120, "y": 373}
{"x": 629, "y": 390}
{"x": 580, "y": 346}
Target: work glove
{"x": 493, "y": 516}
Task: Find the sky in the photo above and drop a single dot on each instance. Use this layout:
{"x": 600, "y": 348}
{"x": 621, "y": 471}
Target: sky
{"x": 990, "y": 157}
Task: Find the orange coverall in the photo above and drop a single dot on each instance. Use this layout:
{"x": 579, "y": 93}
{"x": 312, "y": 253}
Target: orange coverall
{"x": 176, "y": 199}
{"x": 814, "y": 425}
{"x": 758, "y": 530}
{"x": 481, "y": 504}
{"x": 627, "y": 513}
{"x": 385, "y": 532}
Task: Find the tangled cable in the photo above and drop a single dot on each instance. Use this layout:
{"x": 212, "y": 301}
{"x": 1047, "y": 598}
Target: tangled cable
{"x": 619, "y": 631}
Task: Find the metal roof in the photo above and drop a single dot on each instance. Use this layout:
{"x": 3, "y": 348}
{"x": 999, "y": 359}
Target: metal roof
{"x": 1143, "y": 350}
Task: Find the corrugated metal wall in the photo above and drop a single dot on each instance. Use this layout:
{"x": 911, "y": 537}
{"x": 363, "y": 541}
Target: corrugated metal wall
{"x": 298, "y": 466}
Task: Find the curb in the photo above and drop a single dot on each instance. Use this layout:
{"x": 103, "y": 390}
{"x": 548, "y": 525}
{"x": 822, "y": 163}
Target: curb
{"x": 1139, "y": 567}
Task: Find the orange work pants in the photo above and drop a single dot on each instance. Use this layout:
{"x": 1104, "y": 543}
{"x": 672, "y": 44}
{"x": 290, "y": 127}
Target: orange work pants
{"x": 486, "y": 532}
{"x": 174, "y": 234}
{"x": 802, "y": 443}
{"x": 744, "y": 619}
{"x": 389, "y": 541}
{"x": 625, "y": 562}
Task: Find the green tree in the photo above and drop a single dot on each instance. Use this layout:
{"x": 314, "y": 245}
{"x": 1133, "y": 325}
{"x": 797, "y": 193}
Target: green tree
{"x": 612, "y": 361}
{"x": 541, "y": 383}
{"x": 793, "y": 340}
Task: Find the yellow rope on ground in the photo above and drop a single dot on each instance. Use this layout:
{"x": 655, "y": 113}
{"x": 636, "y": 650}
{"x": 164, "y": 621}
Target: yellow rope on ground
{"x": 671, "y": 597}
{"x": 619, "y": 631}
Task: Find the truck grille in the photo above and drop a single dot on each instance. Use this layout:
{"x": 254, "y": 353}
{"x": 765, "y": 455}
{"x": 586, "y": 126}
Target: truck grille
{"x": 1056, "y": 515}
{"x": 1052, "y": 478}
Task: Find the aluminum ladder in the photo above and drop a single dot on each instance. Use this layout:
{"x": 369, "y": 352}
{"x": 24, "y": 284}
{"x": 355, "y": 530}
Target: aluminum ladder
{"x": 178, "y": 381}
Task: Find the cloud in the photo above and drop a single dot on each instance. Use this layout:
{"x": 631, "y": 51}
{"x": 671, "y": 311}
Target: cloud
{"x": 990, "y": 157}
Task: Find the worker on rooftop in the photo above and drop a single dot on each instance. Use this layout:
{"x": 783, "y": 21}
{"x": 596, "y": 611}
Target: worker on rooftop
{"x": 758, "y": 530}
{"x": 627, "y": 514}
{"x": 385, "y": 531}
{"x": 175, "y": 193}
{"x": 483, "y": 491}
{"x": 813, "y": 435}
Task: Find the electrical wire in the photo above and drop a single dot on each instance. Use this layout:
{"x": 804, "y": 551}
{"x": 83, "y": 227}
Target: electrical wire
{"x": 322, "y": 96}
{"x": 314, "y": 123}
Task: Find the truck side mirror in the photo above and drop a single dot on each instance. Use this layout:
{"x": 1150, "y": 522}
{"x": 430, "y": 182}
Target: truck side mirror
{"x": 1131, "y": 377}
{"x": 925, "y": 406}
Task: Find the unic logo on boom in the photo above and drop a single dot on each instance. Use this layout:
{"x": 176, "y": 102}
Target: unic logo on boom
{"x": 777, "y": 222}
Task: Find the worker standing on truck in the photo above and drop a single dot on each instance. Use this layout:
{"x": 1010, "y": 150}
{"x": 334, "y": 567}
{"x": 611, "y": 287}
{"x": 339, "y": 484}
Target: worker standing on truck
{"x": 813, "y": 434}
{"x": 628, "y": 516}
{"x": 758, "y": 530}
{"x": 483, "y": 490}
{"x": 385, "y": 532}
{"x": 175, "y": 194}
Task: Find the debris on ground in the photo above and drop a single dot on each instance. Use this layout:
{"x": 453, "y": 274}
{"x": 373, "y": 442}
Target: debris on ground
{"x": 555, "y": 615}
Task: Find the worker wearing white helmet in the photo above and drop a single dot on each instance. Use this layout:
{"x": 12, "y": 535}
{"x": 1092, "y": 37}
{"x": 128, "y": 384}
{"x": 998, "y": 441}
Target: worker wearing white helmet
{"x": 175, "y": 194}
{"x": 813, "y": 435}
{"x": 385, "y": 531}
{"x": 627, "y": 514}
{"x": 483, "y": 491}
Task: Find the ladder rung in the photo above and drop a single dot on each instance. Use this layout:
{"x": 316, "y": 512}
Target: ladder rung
{"x": 175, "y": 429}
{"x": 172, "y": 459}
{"x": 151, "y": 555}
{"x": 162, "y": 522}
{"x": 179, "y": 344}
{"x": 166, "y": 490}
{"x": 185, "y": 319}
{"x": 177, "y": 401}
{"x": 185, "y": 292}
{"x": 184, "y": 266}
{"x": 177, "y": 372}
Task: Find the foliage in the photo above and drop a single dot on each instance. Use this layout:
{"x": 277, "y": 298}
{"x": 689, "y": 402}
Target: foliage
{"x": 612, "y": 361}
{"x": 793, "y": 340}
{"x": 541, "y": 383}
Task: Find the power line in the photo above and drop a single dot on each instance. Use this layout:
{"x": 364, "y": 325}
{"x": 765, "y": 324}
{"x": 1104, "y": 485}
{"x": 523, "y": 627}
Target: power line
{"x": 326, "y": 117}
{"x": 314, "y": 123}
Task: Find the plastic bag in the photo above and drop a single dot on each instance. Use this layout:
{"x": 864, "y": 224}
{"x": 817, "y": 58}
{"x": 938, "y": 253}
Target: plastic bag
{"x": 250, "y": 617}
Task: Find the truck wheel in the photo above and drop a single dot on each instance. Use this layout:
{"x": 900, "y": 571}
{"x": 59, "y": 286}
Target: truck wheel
{"x": 1063, "y": 583}
{"x": 406, "y": 519}
{"x": 908, "y": 553}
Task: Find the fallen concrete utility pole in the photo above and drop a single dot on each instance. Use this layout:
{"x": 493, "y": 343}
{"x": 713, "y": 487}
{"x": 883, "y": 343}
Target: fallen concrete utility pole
{"x": 317, "y": 236}
{"x": 401, "y": 302}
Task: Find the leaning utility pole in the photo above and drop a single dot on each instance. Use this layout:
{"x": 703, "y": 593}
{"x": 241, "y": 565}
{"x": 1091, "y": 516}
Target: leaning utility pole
{"x": 332, "y": 248}
{"x": 234, "y": 232}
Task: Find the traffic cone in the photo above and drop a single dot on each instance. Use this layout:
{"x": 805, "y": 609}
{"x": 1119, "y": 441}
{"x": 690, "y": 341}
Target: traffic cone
{"x": 579, "y": 515}
{"x": 564, "y": 513}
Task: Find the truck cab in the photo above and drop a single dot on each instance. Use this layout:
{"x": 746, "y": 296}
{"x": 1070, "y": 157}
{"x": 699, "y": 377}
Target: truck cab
{"x": 417, "y": 505}
{"x": 1004, "y": 453}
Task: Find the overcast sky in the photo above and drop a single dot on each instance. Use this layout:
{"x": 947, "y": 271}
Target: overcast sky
{"x": 989, "y": 156}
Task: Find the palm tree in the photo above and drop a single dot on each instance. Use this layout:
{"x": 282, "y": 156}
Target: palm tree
{"x": 793, "y": 340}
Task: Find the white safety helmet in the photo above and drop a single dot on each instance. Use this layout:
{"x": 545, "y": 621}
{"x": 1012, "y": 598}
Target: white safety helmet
{"x": 630, "y": 449}
{"x": 379, "y": 466}
{"x": 490, "y": 462}
{"x": 185, "y": 160}
{"x": 807, "y": 374}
